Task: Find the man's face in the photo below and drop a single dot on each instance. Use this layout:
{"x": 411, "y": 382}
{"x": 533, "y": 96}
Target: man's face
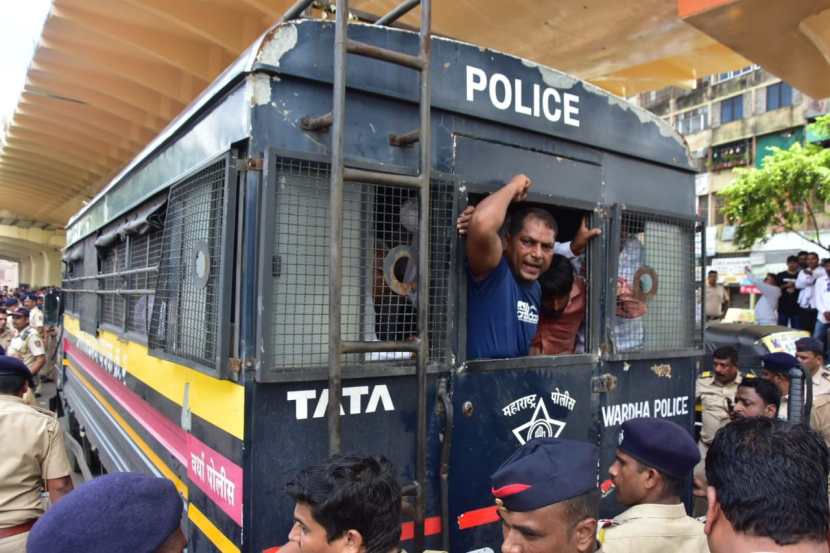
{"x": 712, "y": 278}
{"x": 545, "y": 530}
{"x": 725, "y": 370}
{"x": 809, "y": 360}
{"x": 802, "y": 260}
{"x": 812, "y": 261}
{"x": 3, "y": 322}
{"x": 628, "y": 479}
{"x": 20, "y": 322}
{"x": 781, "y": 382}
{"x": 310, "y": 536}
{"x": 792, "y": 266}
{"x": 531, "y": 250}
{"x": 749, "y": 404}
{"x": 28, "y": 304}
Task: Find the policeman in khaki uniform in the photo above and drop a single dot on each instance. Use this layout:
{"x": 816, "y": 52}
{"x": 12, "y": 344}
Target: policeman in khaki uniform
{"x": 28, "y": 347}
{"x": 32, "y": 455}
{"x": 716, "y": 392}
{"x": 810, "y": 353}
{"x": 653, "y": 462}
{"x": 547, "y": 497}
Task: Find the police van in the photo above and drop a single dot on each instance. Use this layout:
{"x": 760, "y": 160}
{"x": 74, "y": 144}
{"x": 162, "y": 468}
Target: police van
{"x": 277, "y": 276}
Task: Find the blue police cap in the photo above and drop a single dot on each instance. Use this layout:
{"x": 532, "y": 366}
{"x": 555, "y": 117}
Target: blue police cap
{"x": 810, "y": 345}
{"x": 10, "y": 301}
{"x": 779, "y": 362}
{"x": 14, "y": 366}
{"x": 116, "y": 512}
{"x": 20, "y": 312}
{"x": 32, "y": 297}
{"x": 545, "y": 471}
{"x": 661, "y": 444}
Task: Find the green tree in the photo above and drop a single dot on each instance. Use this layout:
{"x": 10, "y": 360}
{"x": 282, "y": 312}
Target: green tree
{"x": 783, "y": 194}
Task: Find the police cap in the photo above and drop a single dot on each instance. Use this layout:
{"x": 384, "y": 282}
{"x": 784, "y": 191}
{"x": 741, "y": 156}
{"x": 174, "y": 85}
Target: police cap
{"x": 14, "y": 366}
{"x": 116, "y": 512}
{"x": 779, "y": 362}
{"x": 809, "y": 345}
{"x": 10, "y": 302}
{"x": 545, "y": 471}
{"x": 20, "y": 312}
{"x": 661, "y": 444}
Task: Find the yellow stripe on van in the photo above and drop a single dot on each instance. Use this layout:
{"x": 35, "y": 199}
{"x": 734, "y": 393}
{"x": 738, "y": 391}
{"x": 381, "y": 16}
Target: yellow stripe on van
{"x": 142, "y": 445}
{"x": 219, "y": 402}
{"x": 207, "y": 527}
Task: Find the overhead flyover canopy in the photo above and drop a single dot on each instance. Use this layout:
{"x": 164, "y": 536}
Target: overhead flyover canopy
{"x": 789, "y": 39}
{"x": 109, "y": 75}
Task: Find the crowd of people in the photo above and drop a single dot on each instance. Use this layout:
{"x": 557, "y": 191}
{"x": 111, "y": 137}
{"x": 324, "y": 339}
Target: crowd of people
{"x": 798, "y": 297}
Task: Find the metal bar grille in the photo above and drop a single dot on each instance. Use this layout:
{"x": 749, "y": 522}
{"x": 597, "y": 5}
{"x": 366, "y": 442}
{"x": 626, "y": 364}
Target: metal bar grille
{"x": 112, "y": 260}
{"x": 184, "y": 321}
{"x": 70, "y": 284}
{"x": 656, "y": 285}
{"x": 379, "y": 257}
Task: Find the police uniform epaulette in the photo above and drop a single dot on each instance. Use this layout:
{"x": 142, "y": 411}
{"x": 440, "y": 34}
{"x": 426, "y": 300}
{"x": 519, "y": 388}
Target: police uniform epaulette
{"x": 705, "y": 374}
{"x": 750, "y": 374}
{"x": 602, "y": 525}
{"x": 825, "y": 375}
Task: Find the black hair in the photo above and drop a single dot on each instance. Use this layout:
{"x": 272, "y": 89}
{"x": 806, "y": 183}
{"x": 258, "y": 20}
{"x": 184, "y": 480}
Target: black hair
{"x": 771, "y": 479}
{"x": 803, "y": 252}
{"x": 558, "y": 280}
{"x": 11, "y": 384}
{"x": 765, "y": 389}
{"x": 813, "y": 253}
{"x": 793, "y": 258}
{"x": 712, "y": 272}
{"x": 726, "y": 352}
{"x": 517, "y": 219}
{"x": 825, "y": 260}
{"x": 350, "y": 492}
{"x": 672, "y": 485}
{"x": 774, "y": 278}
{"x": 581, "y": 507}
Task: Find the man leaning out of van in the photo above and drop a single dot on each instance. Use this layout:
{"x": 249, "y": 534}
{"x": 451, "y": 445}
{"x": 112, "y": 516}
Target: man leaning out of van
{"x": 503, "y": 292}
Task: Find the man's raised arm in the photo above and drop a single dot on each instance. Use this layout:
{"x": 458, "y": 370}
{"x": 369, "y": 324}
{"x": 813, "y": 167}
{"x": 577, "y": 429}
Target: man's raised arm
{"x": 484, "y": 246}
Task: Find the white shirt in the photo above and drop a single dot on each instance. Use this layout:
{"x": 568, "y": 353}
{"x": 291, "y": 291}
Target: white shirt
{"x": 805, "y": 283}
{"x": 766, "y": 310}
{"x": 821, "y": 296}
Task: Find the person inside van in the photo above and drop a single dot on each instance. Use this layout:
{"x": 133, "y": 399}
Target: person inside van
{"x": 503, "y": 291}
{"x": 564, "y": 297}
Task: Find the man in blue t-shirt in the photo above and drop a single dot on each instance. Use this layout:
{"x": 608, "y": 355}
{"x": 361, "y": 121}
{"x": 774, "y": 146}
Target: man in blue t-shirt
{"x": 503, "y": 293}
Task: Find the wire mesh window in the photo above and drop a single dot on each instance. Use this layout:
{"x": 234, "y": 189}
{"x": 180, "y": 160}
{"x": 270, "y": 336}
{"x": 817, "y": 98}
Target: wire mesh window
{"x": 145, "y": 252}
{"x": 74, "y": 269}
{"x": 186, "y": 304}
{"x": 113, "y": 259}
{"x": 379, "y": 260}
{"x": 656, "y": 303}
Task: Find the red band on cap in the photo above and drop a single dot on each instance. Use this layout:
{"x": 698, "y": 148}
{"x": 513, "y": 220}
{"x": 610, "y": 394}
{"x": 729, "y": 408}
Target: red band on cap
{"x": 508, "y": 490}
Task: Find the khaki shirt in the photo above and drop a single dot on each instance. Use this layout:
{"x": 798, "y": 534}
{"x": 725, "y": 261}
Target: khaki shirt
{"x": 652, "y": 528}
{"x": 821, "y": 389}
{"x": 36, "y": 318}
{"x": 717, "y": 399}
{"x": 27, "y": 346}
{"x": 32, "y": 451}
{"x": 820, "y": 417}
{"x": 716, "y": 296}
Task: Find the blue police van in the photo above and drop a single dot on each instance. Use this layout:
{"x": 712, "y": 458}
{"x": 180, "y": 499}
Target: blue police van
{"x": 277, "y": 276}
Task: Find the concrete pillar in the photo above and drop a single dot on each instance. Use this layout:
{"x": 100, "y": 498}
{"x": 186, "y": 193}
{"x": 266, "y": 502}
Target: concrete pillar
{"x": 37, "y": 269}
{"x": 26, "y": 269}
{"x": 52, "y": 260}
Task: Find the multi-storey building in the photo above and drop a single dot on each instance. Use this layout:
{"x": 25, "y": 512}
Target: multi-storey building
{"x": 730, "y": 120}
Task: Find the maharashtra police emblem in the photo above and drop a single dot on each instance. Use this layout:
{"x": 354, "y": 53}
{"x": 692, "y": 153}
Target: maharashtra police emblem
{"x": 540, "y": 425}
